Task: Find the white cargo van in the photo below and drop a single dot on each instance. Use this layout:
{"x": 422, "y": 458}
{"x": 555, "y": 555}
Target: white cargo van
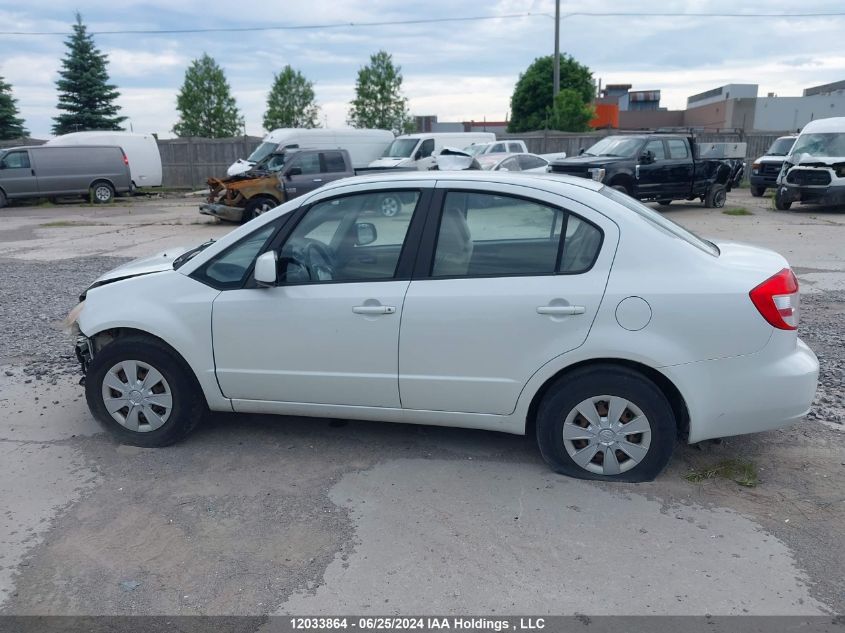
{"x": 140, "y": 149}
{"x": 814, "y": 170}
{"x": 418, "y": 150}
{"x": 363, "y": 145}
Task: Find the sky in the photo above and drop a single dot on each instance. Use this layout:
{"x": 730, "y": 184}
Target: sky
{"x": 460, "y": 71}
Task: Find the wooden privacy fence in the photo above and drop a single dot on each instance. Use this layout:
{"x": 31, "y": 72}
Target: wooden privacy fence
{"x": 187, "y": 162}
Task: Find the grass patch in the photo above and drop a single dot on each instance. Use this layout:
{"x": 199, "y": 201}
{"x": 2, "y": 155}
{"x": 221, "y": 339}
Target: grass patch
{"x": 737, "y": 211}
{"x": 58, "y": 224}
{"x": 740, "y": 472}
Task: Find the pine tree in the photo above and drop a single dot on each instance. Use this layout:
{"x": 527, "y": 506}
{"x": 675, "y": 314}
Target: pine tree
{"x": 291, "y": 102}
{"x": 85, "y": 94}
{"x": 11, "y": 126}
{"x": 205, "y": 102}
{"x": 378, "y": 101}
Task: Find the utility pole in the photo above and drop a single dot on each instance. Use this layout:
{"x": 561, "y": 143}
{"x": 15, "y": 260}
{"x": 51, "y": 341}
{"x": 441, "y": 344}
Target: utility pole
{"x": 557, "y": 50}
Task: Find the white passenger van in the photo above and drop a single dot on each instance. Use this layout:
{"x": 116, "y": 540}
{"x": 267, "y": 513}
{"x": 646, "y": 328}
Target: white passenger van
{"x": 418, "y": 150}
{"x": 363, "y": 145}
{"x": 140, "y": 149}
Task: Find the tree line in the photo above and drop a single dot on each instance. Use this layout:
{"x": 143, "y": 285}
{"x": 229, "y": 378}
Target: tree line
{"x": 207, "y": 108}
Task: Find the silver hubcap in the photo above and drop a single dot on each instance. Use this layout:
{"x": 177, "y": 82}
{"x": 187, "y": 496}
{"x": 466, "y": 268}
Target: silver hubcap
{"x": 102, "y": 193}
{"x": 606, "y": 435}
{"x": 264, "y": 207}
{"x": 137, "y": 396}
{"x": 390, "y": 207}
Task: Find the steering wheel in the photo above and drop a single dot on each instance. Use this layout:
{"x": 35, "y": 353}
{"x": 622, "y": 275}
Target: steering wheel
{"x": 318, "y": 260}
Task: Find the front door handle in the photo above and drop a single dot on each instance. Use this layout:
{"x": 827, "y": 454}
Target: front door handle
{"x": 561, "y": 310}
{"x": 374, "y": 309}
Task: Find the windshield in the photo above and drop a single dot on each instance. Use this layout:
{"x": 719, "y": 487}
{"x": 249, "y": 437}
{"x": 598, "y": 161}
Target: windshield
{"x": 829, "y": 144}
{"x": 400, "y": 148}
{"x": 615, "y": 146}
{"x": 660, "y": 221}
{"x": 188, "y": 255}
{"x": 262, "y": 151}
{"x": 781, "y": 147}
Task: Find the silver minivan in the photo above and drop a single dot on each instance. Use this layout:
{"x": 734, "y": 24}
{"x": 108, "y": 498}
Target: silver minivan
{"x": 47, "y": 171}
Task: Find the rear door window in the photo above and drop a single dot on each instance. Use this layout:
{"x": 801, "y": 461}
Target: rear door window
{"x": 677, "y": 148}
{"x": 334, "y": 162}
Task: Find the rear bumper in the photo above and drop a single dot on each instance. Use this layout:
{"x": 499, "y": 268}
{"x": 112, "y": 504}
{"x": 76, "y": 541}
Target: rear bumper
{"x": 747, "y": 394}
{"x": 222, "y": 211}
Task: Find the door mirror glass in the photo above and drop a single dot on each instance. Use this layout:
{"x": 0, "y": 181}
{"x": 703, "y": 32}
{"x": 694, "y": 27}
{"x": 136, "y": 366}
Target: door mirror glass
{"x": 418, "y": 155}
{"x": 366, "y": 233}
{"x": 265, "y": 269}
{"x": 294, "y": 171}
{"x": 647, "y": 157}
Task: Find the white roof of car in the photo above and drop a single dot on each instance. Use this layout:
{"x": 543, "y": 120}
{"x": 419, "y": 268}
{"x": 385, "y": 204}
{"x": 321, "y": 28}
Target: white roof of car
{"x": 549, "y": 182}
{"x": 833, "y": 124}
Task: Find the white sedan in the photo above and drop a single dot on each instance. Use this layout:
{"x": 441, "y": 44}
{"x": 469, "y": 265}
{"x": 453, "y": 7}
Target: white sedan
{"x": 522, "y": 304}
{"x": 513, "y": 162}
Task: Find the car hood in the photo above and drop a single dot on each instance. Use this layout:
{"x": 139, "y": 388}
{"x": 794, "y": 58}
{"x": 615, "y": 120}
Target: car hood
{"x": 589, "y": 160}
{"x": 808, "y": 160}
{"x": 388, "y": 162}
{"x": 143, "y": 266}
{"x": 770, "y": 159}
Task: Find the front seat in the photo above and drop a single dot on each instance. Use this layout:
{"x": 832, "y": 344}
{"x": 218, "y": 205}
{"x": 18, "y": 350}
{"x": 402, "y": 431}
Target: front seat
{"x": 454, "y": 245}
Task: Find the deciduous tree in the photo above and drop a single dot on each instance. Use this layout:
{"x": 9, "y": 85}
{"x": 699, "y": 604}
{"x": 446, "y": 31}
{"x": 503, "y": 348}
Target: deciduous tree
{"x": 205, "y": 102}
{"x": 569, "y": 113}
{"x": 291, "y": 102}
{"x": 378, "y": 101}
{"x": 532, "y": 100}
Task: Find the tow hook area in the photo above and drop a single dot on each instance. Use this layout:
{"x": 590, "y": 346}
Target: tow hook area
{"x": 85, "y": 354}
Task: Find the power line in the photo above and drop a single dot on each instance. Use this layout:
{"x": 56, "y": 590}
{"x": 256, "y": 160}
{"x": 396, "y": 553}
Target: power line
{"x": 474, "y": 18}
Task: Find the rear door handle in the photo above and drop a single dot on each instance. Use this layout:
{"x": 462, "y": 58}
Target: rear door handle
{"x": 561, "y": 310}
{"x": 317, "y": 180}
{"x": 374, "y": 309}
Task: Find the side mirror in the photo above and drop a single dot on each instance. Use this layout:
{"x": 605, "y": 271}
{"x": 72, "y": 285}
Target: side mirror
{"x": 647, "y": 157}
{"x": 580, "y": 151}
{"x": 294, "y": 171}
{"x": 418, "y": 155}
{"x": 365, "y": 233}
{"x": 265, "y": 269}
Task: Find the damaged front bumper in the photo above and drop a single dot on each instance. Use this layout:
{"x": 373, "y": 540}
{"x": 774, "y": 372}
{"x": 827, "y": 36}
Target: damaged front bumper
{"x": 222, "y": 211}
{"x": 84, "y": 353}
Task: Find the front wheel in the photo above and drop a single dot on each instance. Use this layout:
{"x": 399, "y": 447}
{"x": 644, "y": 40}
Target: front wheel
{"x": 606, "y": 422}
{"x": 664, "y": 203}
{"x": 102, "y": 192}
{"x": 143, "y": 393}
{"x": 757, "y": 192}
{"x": 781, "y": 203}
{"x": 258, "y": 206}
{"x": 621, "y": 188}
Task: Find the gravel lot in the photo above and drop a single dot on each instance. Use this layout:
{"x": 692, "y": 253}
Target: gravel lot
{"x": 263, "y": 514}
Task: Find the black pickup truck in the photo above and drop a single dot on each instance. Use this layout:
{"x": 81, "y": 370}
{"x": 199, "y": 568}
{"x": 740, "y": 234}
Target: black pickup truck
{"x": 661, "y": 167}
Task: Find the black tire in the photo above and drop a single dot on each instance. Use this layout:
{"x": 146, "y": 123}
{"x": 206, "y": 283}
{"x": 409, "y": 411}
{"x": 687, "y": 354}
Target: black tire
{"x": 621, "y": 188}
{"x": 571, "y": 391}
{"x": 2, "y": 199}
{"x": 258, "y": 206}
{"x": 664, "y": 203}
{"x": 390, "y": 205}
{"x": 781, "y": 204}
{"x": 716, "y": 196}
{"x": 102, "y": 192}
{"x": 188, "y": 405}
{"x": 757, "y": 192}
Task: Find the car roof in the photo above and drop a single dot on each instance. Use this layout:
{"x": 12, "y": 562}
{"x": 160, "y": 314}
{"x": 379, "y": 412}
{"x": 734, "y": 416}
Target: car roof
{"x": 833, "y": 124}
{"x": 551, "y": 183}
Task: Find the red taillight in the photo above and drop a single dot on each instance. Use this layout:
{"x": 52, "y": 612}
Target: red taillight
{"x": 125, "y": 159}
{"x": 777, "y": 300}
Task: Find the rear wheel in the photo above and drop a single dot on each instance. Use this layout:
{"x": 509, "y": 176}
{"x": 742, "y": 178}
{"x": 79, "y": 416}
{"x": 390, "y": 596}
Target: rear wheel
{"x": 258, "y": 206}
{"x": 2, "y": 199}
{"x": 781, "y": 203}
{"x": 606, "y": 422}
{"x": 757, "y": 192}
{"x": 102, "y": 192}
{"x": 716, "y": 197}
{"x": 664, "y": 202}
{"x": 390, "y": 206}
{"x": 621, "y": 188}
{"x": 143, "y": 393}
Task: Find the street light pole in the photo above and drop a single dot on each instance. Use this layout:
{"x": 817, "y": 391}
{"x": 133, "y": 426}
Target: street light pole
{"x": 556, "y": 88}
